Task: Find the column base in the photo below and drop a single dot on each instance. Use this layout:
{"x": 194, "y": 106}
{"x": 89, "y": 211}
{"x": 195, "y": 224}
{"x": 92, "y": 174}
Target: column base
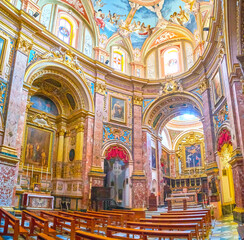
{"x": 238, "y": 214}
{"x": 8, "y": 151}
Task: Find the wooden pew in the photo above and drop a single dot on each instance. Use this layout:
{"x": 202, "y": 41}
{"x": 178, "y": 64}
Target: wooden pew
{"x": 116, "y": 218}
{"x": 138, "y": 213}
{"x": 10, "y": 220}
{"x": 182, "y": 220}
{"x": 101, "y": 221}
{"x": 91, "y": 236}
{"x": 144, "y": 234}
{"x": 43, "y": 236}
{"x": 207, "y": 217}
{"x": 129, "y": 216}
{"x": 167, "y": 226}
{"x": 36, "y": 222}
{"x": 60, "y": 222}
{"x": 87, "y": 222}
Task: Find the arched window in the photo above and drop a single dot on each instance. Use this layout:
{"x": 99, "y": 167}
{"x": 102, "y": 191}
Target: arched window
{"x": 118, "y": 61}
{"x": 65, "y": 31}
{"x": 171, "y": 61}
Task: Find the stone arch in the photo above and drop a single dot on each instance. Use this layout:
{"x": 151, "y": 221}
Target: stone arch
{"x": 71, "y": 74}
{"x": 171, "y": 105}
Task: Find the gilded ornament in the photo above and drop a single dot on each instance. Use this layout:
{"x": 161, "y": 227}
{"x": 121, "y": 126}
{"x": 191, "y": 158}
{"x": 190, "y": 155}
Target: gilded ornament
{"x": 137, "y": 100}
{"x": 204, "y": 85}
{"x": 100, "y": 88}
{"x": 171, "y": 86}
{"x": 23, "y": 45}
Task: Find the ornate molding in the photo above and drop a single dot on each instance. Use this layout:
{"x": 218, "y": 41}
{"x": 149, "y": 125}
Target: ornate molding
{"x": 204, "y": 85}
{"x": 137, "y": 100}
{"x": 171, "y": 86}
{"x": 100, "y": 88}
{"x": 41, "y": 120}
{"x": 23, "y": 45}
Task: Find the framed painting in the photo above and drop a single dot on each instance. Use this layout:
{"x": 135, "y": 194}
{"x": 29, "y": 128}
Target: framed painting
{"x": 38, "y": 147}
{"x": 117, "y": 109}
{"x": 193, "y": 155}
{"x": 217, "y": 88}
{"x": 153, "y": 158}
{"x": 166, "y": 163}
{"x": 36, "y": 187}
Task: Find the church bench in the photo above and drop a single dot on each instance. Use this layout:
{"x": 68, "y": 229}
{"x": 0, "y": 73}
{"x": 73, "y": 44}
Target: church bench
{"x": 166, "y": 226}
{"x": 101, "y": 220}
{"x": 35, "y": 222}
{"x": 203, "y": 216}
{"x": 144, "y": 234}
{"x": 10, "y": 220}
{"x": 206, "y": 217}
{"x": 87, "y": 222}
{"x": 129, "y": 216}
{"x": 91, "y": 236}
{"x": 43, "y": 236}
{"x": 116, "y": 218}
{"x": 138, "y": 213}
{"x": 60, "y": 222}
{"x": 182, "y": 220}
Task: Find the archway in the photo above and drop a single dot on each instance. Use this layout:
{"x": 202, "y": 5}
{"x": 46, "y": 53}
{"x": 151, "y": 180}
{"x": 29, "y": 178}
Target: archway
{"x": 116, "y": 168}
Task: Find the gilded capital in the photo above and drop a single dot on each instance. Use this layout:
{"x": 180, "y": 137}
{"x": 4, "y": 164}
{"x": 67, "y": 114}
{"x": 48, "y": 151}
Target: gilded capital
{"x": 79, "y": 128}
{"x": 204, "y": 85}
{"x": 23, "y": 45}
{"x": 100, "y": 88}
{"x": 137, "y": 100}
{"x": 61, "y": 132}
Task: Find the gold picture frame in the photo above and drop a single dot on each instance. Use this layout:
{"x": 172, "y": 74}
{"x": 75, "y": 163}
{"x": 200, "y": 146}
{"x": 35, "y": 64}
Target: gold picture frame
{"x": 2, "y": 53}
{"x": 217, "y": 86}
{"x": 118, "y": 109}
{"x": 38, "y": 147}
{"x": 191, "y": 156}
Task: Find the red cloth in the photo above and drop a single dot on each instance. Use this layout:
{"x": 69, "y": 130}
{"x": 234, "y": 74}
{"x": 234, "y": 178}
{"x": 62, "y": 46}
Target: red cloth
{"x": 118, "y": 152}
{"x": 224, "y": 138}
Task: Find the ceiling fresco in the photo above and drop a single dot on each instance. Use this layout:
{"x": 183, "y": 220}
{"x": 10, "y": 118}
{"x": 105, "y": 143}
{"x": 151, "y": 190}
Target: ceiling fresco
{"x": 139, "y": 19}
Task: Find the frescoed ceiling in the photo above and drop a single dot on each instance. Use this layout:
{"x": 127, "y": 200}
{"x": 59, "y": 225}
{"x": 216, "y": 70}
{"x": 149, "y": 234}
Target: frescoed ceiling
{"x": 138, "y": 20}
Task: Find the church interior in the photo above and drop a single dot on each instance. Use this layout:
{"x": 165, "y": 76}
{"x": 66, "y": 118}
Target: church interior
{"x": 121, "y": 119}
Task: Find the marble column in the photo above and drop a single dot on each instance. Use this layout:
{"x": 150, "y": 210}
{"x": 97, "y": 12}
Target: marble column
{"x": 139, "y": 187}
{"x": 10, "y": 150}
{"x": 209, "y": 140}
{"x": 96, "y": 172}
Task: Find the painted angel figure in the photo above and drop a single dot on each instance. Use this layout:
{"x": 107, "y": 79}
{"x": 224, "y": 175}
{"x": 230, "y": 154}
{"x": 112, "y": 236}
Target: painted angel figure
{"x": 189, "y": 4}
{"x": 162, "y": 23}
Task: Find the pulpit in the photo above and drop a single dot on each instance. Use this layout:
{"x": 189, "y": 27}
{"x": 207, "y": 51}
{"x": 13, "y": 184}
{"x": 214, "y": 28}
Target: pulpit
{"x": 38, "y": 201}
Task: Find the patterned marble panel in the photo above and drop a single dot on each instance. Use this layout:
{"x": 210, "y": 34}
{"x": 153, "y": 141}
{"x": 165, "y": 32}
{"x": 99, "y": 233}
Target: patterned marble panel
{"x": 7, "y": 182}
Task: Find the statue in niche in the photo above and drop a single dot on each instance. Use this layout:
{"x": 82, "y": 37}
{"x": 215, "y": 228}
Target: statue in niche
{"x": 213, "y": 186}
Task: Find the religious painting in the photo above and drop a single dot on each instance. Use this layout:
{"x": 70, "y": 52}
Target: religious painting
{"x": 217, "y": 87}
{"x": 44, "y": 104}
{"x": 153, "y": 158}
{"x": 193, "y": 156}
{"x": 165, "y": 163}
{"x": 117, "y": 109}
{"x": 38, "y": 147}
{"x": 36, "y": 187}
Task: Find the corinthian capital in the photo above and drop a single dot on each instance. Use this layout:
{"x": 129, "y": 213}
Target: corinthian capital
{"x": 23, "y": 45}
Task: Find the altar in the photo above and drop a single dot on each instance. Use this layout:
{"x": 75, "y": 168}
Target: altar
{"x": 192, "y": 197}
{"x": 176, "y": 201}
{"x": 38, "y": 201}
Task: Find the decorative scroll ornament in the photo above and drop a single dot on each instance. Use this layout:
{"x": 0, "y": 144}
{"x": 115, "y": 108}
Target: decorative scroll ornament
{"x": 23, "y": 45}
{"x": 171, "y": 86}
{"x": 100, "y": 88}
{"x": 65, "y": 57}
{"x": 137, "y": 100}
{"x": 204, "y": 85}
{"x": 41, "y": 120}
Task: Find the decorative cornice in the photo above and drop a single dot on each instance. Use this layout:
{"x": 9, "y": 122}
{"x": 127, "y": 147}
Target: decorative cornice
{"x": 236, "y": 156}
{"x": 137, "y": 100}
{"x": 23, "y": 45}
{"x": 204, "y": 85}
{"x": 100, "y": 88}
